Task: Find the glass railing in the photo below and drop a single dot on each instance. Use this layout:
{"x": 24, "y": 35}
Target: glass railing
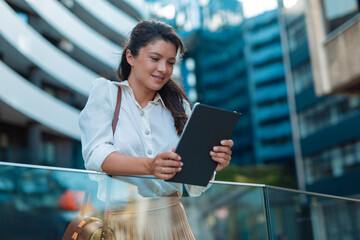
{"x": 39, "y": 202}
{"x": 303, "y": 215}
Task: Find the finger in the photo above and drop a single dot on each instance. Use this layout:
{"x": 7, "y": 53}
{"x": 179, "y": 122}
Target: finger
{"x": 173, "y": 149}
{"x": 164, "y": 176}
{"x": 169, "y": 155}
{"x": 167, "y": 176}
{"x": 171, "y": 163}
{"x": 170, "y": 170}
{"x": 220, "y": 155}
{"x": 222, "y": 149}
{"x": 166, "y": 173}
{"x": 227, "y": 142}
{"x": 221, "y": 161}
{"x": 219, "y": 167}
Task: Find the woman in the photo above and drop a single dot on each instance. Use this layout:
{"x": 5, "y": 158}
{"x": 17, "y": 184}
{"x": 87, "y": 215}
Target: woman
{"x": 153, "y": 113}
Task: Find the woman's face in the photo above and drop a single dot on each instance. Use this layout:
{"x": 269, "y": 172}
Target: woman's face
{"x": 153, "y": 65}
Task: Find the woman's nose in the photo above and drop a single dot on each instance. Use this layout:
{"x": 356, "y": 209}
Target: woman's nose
{"x": 162, "y": 66}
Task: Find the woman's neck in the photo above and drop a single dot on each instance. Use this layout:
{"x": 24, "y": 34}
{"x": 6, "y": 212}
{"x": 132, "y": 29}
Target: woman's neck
{"x": 142, "y": 95}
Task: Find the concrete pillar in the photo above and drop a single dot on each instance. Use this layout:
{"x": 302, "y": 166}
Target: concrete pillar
{"x": 34, "y": 143}
{"x": 295, "y": 129}
{"x": 34, "y": 130}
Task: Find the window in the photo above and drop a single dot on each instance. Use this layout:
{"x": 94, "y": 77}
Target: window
{"x": 59, "y": 93}
{"x": 328, "y": 112}
{"x": 48, "y": 153}
{"x": 4, "y": 147}
{"x": 302, "y": 78}
{"x": 338, "y": 12}
{"x": 314, "y": 119}
{"x": 297, "y": 35}
{"x": 333, "y": 162}
{"x": 336, "y": 162}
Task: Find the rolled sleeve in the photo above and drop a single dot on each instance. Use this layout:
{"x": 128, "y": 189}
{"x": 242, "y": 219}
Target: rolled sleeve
{"x": 196, "y": 191}
{"x": 95, "y": 123}
{"x": 186, "y": 106}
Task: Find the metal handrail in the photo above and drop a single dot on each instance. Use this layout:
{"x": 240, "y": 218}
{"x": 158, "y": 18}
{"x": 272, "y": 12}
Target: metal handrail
{"x": 24, "y": 165}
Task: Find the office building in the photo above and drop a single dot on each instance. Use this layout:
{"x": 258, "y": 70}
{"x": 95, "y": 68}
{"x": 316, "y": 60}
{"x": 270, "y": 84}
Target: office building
{"x": 48, "y": 61}
{"x": 334, "y": 37}
{"x": 272, "y": 137}
{"x": 328, "y": 124}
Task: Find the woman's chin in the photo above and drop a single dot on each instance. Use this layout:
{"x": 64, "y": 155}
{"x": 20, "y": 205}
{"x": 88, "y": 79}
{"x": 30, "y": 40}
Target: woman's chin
{"x": 159, "y": 84}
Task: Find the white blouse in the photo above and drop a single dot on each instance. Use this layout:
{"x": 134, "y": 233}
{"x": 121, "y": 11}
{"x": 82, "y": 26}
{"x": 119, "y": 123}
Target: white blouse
{"x": 140, "y": 132}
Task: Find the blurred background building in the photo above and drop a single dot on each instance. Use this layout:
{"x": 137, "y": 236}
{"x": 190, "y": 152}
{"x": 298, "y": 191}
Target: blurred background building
{"x": 268, "y": 97}
{"x": 328, "y": 122}
{"x": 292, "y": 72}
{"x": 50, "y": 53}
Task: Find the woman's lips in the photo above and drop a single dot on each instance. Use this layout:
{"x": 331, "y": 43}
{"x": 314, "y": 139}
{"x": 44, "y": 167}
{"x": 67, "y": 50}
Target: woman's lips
{"x": 158, "y": 78}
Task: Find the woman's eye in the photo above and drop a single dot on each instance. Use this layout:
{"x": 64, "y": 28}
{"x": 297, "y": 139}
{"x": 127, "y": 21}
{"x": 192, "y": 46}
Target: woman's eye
{"x": 155, "y": 59}
{"x": 171, "y": 63}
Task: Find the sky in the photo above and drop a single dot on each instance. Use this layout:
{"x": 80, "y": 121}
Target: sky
{"x": 254, "y": 7}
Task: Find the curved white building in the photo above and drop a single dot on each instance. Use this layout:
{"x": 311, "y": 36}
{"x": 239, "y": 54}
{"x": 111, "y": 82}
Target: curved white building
{"x": 50, "y": 52}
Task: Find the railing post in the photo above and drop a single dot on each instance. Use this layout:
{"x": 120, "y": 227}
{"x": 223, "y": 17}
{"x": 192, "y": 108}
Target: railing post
{"x": 267, "y": 213}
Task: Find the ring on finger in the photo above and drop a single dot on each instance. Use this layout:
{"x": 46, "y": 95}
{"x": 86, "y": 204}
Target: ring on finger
{"x": 163, "y": 170}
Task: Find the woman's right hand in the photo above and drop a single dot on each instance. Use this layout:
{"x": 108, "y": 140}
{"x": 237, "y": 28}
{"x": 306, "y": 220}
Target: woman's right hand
{"x": 165, "y": 165}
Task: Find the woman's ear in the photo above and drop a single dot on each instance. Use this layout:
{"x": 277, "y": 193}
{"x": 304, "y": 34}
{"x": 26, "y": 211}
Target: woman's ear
{"x": 129, "y": 57}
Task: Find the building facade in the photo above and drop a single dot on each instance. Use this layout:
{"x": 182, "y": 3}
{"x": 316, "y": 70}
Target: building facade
{"x": 333, "y": 30}
{"x": 240, "y": 68}
{"x": 328, "y": 125}
{"x": 220, "y": 71}
{"x": 48, "y": 61}
{"x": 272, "y": 136}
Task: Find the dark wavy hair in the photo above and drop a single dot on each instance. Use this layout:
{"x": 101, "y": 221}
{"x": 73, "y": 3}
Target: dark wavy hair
{"x": 172, "y": 94}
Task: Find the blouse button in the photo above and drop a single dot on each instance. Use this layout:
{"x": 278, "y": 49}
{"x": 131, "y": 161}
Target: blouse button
{"x": 147, "y": 132}
{"x": 141, "y": 113}
{"x": 149, "y": 151}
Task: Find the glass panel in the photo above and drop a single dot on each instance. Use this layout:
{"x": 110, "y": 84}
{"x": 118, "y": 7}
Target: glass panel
{"x": 227, "y": 212}
{"x": 296, "y": 215}
{"x": 338, "y": 12}
{"x": 38, "y": 203}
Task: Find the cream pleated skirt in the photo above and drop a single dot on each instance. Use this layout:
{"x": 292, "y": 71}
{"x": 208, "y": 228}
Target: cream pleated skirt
{"x": 151, "y": 219}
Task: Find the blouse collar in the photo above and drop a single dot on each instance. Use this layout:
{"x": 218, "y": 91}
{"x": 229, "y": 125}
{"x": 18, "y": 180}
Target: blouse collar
{"x": 125, "y": 83}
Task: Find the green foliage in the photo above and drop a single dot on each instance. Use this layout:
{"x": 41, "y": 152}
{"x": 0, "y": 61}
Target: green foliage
{"x": 270, "y": 174}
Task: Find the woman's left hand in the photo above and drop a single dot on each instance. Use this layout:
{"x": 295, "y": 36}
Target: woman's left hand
{"x": 222, "y": 154}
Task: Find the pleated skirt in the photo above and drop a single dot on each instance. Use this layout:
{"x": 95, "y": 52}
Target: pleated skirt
{"x": 151, "y": 219}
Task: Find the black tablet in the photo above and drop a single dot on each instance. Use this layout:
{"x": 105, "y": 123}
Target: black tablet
{"x": 206, "y": 127}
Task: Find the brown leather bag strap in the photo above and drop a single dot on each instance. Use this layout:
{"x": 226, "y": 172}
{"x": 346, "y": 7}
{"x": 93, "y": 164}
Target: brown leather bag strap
{"x": 114, "y": 123}
{"x": 73, "y": 229}
{"x": 108, "y": 186}
{"x": 106, "y": 211}
{"x": 117, "y": 110}
{"x": 86, "y": 200}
